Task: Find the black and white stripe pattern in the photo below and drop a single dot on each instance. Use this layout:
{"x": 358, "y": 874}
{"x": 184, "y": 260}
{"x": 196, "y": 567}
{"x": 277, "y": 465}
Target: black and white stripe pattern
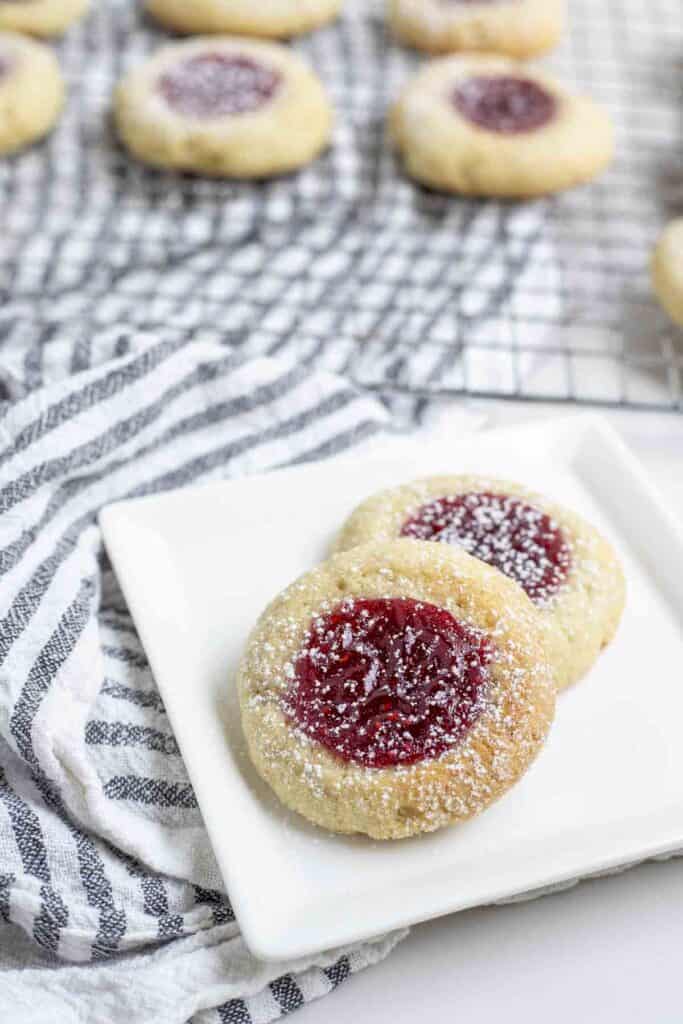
{"x": 98, "y": 821}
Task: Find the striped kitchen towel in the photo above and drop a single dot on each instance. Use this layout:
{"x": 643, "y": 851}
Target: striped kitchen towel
{"x": 112, "y": 904}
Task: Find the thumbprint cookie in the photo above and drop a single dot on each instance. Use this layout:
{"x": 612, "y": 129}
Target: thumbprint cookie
{"x": 224, "y": 107}
{"x": 667, "y": 270}
{"x": 40, "y": 17}
{"x": 564, "y": 565}
{"x": 515, "y": 28}
{"x": 274, "y": 19}
{"x": 31, "y": 91}
{"x": 489, "y": 126}
{"x": 395, "y": 689}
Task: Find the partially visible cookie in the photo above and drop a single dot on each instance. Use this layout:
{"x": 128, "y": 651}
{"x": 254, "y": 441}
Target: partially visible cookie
{"x": 489, "y": 126}
{"x": 31, "y": 91}
{"x": 516, "y": 28}
{"x": 397, "y": 688}
{"x": 667, "y": 270}
{"x": 40, "y": 17}
{"x": 226, "y": 107}
{"x": 273, "y": 19}
{"x": 565, "y": 566}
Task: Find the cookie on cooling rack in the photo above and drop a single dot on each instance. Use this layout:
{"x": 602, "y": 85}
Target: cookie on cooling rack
{"x": 516, "y": 28}
{"x": 274, "y": 19}
{"x": 397, "y": 688}
{"x": 225, "y": 107}
{"x": 667, "y": 270}
{"x": 31, "y": 91}
{"x": 489, "y": 126}
{"x": 40, "y": 17}
{"x": 565, "y": 566}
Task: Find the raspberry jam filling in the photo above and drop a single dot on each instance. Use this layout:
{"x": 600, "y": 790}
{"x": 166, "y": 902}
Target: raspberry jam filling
{"x": 217, "y": 84}
{"x": 518, "y": 539}
{"x": 504, "y": 103}
{"x": 388, "y": 682}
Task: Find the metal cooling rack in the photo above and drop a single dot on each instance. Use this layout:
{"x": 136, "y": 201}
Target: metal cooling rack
{"x": 348, "y": 264}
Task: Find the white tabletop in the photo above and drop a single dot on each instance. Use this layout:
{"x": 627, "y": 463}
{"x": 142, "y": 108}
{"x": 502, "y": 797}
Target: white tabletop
{"x": 608, "y": 950}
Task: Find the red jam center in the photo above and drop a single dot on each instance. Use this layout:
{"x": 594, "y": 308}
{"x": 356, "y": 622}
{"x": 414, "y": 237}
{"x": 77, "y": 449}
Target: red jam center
{"x": 216, "y": 85}
{"x": 389, "y": 682}
{"x": 518, "y": 539}
{"x": 504, "y": 103}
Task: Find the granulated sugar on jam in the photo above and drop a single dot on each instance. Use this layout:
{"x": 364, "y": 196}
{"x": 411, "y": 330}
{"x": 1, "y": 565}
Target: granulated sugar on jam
{"x": 218, "y": 85}
{"x": 507, "y": 533}
{"x": 389, "y": 681}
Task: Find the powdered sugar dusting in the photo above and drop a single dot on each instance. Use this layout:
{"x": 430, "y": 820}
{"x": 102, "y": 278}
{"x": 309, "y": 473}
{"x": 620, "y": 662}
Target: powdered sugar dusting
{"x": 218, "y": 85}
{"x": 517, "y": 538}
{"x": 388, "y": 682}
{"x": 507, "y": 104}
{"x": 509, "y": 714}
{"x": 437, "y": 15}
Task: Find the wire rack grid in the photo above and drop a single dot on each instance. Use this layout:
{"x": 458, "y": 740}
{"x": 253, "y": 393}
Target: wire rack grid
{"x": 348, "y": 264}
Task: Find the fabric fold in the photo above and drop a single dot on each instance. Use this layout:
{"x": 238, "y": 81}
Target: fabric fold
{"x": 104, "y": 860}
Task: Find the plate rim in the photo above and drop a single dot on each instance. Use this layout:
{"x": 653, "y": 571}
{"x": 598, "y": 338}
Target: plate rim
{"x": 556, "y": 428}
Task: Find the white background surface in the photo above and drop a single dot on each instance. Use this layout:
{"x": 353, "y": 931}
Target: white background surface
{"x": 607, "y": 951}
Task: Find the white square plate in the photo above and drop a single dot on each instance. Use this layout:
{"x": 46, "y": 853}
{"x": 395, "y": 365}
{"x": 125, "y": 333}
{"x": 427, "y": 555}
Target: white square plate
{"x": 197, "y": 567}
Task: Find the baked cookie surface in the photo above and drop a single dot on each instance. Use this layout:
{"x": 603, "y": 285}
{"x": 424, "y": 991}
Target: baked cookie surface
{"x": 667, "y": 270}
{"x": 398, "y": 688}
{"x": 270, "y": 18}
{"x": 489, "y": 126}
{"x": 224, "y": 107}
{"x": 31, "y": 91}
{"x": 40, "y": 17}
{"x": 565, "y": 566}
{"x": 515, "y": 28}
